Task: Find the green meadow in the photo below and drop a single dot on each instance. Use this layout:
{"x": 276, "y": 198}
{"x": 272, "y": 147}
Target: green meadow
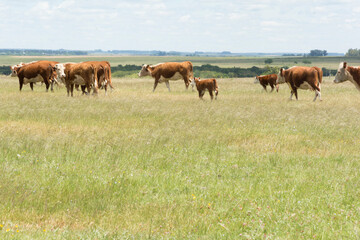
{"x": 166, "y": 165}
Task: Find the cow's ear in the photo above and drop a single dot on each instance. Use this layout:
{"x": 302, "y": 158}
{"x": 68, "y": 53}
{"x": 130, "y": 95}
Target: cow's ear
{"x": 345, "y": 64}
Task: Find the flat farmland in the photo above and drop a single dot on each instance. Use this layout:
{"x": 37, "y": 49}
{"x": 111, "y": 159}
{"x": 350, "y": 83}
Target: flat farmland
{"x": 243, "y": 62}
{"x": 166, "y": 165}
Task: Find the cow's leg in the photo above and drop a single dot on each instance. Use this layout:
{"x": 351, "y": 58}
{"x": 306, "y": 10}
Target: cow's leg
{"x": 317, "y": 90}
{"x": 216, "y": 93}
{"x": 290, "y": 98}
{"x": 272, "y": 87}
{"x": 72, "y": 90}
{"x": 167, "y": 85}
{"x": 264, "y": 86}
{"x": 68, "y": 89}
{"x": 32, "y": 86}
{"x": 21, "y": 83}
{"x": 296, "y": 95}
{"x": 155, "y": 84}
{"x": 47, "y": 86}
{"x": 202, "y": 92}
{"x": 52, "y": 86}
{"x": 105, "y": 87}
{"x": 77, "y": 87}
{"x": 83, "y": 87}
{"x": 211, "y": 94}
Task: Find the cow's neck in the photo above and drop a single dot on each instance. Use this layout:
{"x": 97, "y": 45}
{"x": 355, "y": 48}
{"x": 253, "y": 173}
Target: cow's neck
{"x": 354, "y": 76}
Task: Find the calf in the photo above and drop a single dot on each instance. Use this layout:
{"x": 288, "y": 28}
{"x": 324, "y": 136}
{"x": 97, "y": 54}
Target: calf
{"x": 346, "y": 72}
{"x": 268, "y": 80}
{"x": 301, "y": 78}
{"x": 206, "y": 84}
{"x": 163, "y": 72}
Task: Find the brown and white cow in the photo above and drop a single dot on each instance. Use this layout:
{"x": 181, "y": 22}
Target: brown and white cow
{"x": 346, "y": 73}
{"x": 84, "y": 74}
{"x": 39, "y": 71}
{"x": 301, "y": 78}
{"x": 268, "y": 80}
{"x": 163, "y": 72}
{"x": 206, "y": 84}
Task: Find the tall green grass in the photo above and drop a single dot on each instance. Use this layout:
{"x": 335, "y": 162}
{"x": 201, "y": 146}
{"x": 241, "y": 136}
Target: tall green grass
{"x": 137, "y": 164}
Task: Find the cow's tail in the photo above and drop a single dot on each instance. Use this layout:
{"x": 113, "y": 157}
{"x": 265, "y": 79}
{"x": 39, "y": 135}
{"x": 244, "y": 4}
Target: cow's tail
{"x": 215, "y": 86}
{"x": 109, "y": 76}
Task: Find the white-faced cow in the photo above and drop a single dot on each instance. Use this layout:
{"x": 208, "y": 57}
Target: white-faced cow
{"x": 346, "y": 73}
{"x": 206, "y": 84}
{"x": 301, "y": 78}
{"x": 84, "y": 74}
{"x": 39, "y": 71}
{"x": 267, "y": 80}
{"x": 163, "y": 72}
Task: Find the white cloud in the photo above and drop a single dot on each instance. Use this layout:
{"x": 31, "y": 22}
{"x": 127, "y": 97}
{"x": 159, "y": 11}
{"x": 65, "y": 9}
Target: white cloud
{"x": 185, "y": 18}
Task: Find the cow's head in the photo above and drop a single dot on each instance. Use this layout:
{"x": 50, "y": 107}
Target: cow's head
{"x": 60, "y": 70}
{"x": 144, "y": 71}
{"x": 281, "y": 76}
{"x": 342, "y": 74}
{"x": 15, "y": 69}
{"x": 193, "y": 81}
{"x": 256, "y": 79}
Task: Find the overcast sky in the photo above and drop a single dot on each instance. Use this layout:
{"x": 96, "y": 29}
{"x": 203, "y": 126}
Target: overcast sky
{"x": 181, "y": 25}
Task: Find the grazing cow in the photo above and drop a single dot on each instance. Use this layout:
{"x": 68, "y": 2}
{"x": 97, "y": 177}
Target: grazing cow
{"x": 84, "y": 74}
{"x": 301, "y": 78}
{"x": 267, "y": 80}
{"x": 40, "y": 71}
{"x": 163, "y": 72}
{"x": 206, "y": 84}
{"x": 346, "y": 72}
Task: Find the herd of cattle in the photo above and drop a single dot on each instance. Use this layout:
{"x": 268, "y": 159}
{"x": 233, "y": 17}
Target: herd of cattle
{"x": 93, "y": 75}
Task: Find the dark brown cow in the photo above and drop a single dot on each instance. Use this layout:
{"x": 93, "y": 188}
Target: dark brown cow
{"x": 78, "y": 73}
{"x": 163, "y": 72}
{"x": 301, "y": 78}
{"x": 346, "y": 73}
{"x": 206, "y": 84}
{"x": 268, "y": 80}
{"x": 40, "y": 71}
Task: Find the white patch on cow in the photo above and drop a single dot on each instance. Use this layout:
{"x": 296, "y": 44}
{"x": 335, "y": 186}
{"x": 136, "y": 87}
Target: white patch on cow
{"x": 176, "y": 76}
{"x": 79, "y": 80}
{"x": 156, "y": 65}
{"x": 305, "y": 86}
{"x": 38, "y": 78}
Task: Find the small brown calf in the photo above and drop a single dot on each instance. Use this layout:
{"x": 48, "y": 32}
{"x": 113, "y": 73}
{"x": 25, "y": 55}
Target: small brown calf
{"x": 206, "y": 84}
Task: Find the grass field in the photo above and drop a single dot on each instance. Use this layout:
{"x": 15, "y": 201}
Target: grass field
{"x": 137, "y": 164}
{"x": 243, "y": 62}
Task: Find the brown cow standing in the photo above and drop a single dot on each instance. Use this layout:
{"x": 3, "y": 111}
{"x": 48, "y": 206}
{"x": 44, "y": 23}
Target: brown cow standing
{"x": 346, "y": 73}
{"x": 104, "y": 73}
{"x": 206, "y": 84}
{"x": 40, "y": 71}
{"x": 268, "y": 80}
{"x": 302, "y": 78}
{"x": 78, "y": 73}
{"x": 163, "y": 72}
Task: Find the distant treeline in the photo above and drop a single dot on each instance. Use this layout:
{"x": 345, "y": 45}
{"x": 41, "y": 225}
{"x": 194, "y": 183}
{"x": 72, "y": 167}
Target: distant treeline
{"x": 204, "y": 71}
{"x": 37, "y": 52}
{"x": 207, "y": 71}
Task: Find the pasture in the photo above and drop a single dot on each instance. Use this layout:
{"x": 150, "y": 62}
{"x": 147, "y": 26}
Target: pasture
{"x": 137, "y": 164}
